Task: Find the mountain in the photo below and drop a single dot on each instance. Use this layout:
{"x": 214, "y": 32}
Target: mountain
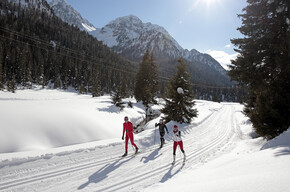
{"x": 130, "y": 34}
{"x": 130, "y": 37}
{"x": 68, "y": 14}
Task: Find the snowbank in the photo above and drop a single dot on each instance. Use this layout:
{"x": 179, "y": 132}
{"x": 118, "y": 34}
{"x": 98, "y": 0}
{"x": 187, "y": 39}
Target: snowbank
{"x": 43, "y": 119}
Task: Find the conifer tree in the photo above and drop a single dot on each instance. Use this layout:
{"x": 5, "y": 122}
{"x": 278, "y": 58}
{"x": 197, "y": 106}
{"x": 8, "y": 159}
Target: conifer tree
{"x": 95, "y": 84}
{"x": 263, "y": 65}
{"x": 179, "y": 99}
{"x": 117, "y": 98}
{"x": 146, "y": 84}
{"x": 1, "y": 60}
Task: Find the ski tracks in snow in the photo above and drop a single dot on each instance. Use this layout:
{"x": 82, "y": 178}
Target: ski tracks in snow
{"x": 104, "y": 169}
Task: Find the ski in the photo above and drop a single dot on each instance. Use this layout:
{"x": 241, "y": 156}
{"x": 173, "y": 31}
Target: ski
{"x": 131, "y": 155}
{"x": 136, "y": 153}
{"x": 176, "y": 162}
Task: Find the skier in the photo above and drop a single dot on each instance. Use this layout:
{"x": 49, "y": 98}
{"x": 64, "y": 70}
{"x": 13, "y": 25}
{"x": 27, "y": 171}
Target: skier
{"x": 161, "y": 131}
{"x": 128, "y": 127}
{"x": 177, "y": 141}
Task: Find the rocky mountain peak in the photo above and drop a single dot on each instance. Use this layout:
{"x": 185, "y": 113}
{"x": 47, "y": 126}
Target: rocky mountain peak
{"x": 68, "y": 14}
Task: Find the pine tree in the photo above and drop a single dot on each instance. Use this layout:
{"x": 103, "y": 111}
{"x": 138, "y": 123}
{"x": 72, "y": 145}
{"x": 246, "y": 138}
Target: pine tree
{"x": 263, "y": 65}
{"x": 1, "y": 61}
{"x": 12, "y": 85}
{"x": 95, "y": 84}
{"x": 179, "y": 99}
{"x": 117, "y": 99}
{"x": 146, "y": 84}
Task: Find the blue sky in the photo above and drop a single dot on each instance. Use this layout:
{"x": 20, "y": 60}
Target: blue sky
{"x": 205, "y": 25}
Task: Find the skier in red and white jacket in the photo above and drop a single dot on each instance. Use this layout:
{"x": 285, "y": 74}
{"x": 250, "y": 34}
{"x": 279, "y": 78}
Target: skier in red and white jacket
{"x": 128, "y": 128}
{"x": 177, "y": 141}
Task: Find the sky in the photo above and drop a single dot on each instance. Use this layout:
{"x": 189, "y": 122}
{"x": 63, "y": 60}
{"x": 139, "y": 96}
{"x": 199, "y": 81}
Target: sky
{"x": 204, "y": 25}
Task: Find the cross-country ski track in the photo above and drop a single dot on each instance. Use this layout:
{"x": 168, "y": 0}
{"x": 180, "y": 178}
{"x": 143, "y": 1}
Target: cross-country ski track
{"x": 103, "y": 169}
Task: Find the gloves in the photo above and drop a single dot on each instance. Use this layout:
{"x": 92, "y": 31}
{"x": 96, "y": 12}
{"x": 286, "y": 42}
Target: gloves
{"x": 123, "y": 137}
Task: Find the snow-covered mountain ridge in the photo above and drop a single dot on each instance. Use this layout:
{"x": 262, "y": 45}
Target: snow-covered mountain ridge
{"x": 130, "y": 31}
{"x": 130, "y": 37}
{"x": 68, "y": 14}
{"x": 129, "y": 34}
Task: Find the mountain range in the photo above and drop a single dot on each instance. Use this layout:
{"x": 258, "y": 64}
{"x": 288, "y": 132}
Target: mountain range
{"x": 130, "y": 37}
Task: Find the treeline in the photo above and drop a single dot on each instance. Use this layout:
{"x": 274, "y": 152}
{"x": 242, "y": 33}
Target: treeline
{"x": 37, "y": 47}
{"x": 228, "y": 94}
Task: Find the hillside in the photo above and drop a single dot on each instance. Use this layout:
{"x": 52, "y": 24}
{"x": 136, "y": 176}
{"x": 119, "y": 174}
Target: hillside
{"x": 36, "y": 47}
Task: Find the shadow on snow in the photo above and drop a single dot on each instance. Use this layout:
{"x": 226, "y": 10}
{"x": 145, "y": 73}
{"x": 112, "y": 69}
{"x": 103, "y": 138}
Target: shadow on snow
{"x": 169, "y": 174}
{"x": 102, "y": 173}
{"x": 151, "y": 156}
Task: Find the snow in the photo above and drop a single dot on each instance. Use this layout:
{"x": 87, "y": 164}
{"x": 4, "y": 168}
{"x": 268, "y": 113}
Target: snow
{"x": 43, "y": 119}
{"x": 288, "y": 21}
{"x": 180, "y": 90}
{"x": 53, "y": 140}
{"x": 88, "y": 28}
{"x": 106, "y": 35}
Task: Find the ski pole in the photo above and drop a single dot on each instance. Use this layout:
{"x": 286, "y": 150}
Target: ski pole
{"x": 154, "y": 134}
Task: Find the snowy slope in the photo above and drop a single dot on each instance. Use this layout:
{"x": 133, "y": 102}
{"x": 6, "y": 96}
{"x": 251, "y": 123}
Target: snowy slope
{"x": 221, "y": 154}
{"x": 49, "y": 118}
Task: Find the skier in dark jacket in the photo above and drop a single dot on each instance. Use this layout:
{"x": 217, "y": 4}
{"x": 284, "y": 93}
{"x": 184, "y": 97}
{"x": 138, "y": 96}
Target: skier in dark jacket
{"x": 162, "y": 126}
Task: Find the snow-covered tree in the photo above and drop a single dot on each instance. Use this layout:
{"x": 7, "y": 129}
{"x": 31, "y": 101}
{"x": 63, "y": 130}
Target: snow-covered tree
{"x": 263, "y": 64}
{"x": 180, "y": 98}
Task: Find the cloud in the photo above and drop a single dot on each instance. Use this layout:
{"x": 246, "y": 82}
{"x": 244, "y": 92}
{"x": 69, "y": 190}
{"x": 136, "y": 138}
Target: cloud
{"x": 228, "y": 46}
{"x": 222, "y": 57}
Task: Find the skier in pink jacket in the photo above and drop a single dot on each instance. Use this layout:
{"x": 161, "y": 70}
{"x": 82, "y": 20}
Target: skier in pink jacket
{"x": 177, "y": 141}
{"x": 128, "y": 128}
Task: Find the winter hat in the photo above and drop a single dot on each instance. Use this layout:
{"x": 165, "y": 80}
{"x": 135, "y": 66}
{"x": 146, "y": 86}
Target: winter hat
{"x": 175, "y": 128}
{"x": 126, "y": 118}
{"x": 161, "y": 121}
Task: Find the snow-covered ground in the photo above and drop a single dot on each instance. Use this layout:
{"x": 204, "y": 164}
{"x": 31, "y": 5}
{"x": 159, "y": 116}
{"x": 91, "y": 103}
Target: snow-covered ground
{"x": 54, "y": 140}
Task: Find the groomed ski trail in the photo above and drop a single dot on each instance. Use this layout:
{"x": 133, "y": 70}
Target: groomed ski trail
{"x": 103, "y": 169}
